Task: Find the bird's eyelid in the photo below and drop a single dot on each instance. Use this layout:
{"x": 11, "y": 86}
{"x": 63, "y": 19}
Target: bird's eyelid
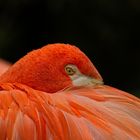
{"x": 74, "y": 67}
{"x": 70, "y": 69}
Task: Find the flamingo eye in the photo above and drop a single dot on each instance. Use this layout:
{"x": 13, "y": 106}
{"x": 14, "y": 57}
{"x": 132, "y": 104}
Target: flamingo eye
{"x": 70, "y": 70}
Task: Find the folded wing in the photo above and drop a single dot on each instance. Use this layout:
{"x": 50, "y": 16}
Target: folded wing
{"x": 100, "y": 113}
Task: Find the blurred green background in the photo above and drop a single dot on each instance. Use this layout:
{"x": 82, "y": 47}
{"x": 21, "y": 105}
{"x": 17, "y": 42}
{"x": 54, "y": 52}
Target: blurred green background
{"x": 106, "y": 30}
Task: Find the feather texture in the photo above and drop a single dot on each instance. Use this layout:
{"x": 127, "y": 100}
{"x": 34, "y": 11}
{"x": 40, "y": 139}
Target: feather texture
{"x": 84, "y": 113}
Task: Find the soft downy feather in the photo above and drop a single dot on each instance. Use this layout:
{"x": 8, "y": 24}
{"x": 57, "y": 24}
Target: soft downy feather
{"x": 91, "y": 113}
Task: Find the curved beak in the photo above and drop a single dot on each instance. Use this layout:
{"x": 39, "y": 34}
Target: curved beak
{"x": 83, "y": 80}
{"x": 97, "y": 82}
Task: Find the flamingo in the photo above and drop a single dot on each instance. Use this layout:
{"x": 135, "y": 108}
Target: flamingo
{"x": 56, "y": 93}
{"x": 4, "y": 65}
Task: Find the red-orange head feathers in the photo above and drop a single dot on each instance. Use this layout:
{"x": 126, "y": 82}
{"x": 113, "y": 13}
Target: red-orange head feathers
{"x": 52, "y": 68}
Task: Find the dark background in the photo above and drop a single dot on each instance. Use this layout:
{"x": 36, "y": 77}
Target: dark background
{"x": 106, "y": 30}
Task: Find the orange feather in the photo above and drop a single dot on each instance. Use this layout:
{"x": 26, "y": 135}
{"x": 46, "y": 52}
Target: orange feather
{"x": 83, "y": 113}
{"x": 95, "y": 112}
{"x": 4, "y": 65}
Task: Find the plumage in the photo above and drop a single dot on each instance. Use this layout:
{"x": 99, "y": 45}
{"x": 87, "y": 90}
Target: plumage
{"x": 4, "y": 65}
{"x": 97, "y": 112}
